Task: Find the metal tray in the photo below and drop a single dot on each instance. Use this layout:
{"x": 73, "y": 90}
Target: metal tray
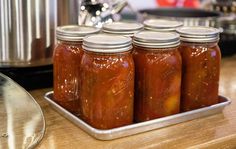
{"x": 136, "y": 128}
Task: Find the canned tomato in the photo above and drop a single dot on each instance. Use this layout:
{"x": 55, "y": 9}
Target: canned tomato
{"x": 107, "y": 81}
{"x": 66, "y": 65}
{"x": 201, "y": 66}
{"x": 157, "y": 75}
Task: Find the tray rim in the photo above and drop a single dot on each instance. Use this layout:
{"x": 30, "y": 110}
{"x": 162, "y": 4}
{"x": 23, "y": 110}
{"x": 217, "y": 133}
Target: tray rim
{"x": 101, "y": 134}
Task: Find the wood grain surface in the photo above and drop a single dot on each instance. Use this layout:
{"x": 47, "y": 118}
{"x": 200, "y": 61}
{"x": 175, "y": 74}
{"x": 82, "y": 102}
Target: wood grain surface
{"x": 217, "y": 131}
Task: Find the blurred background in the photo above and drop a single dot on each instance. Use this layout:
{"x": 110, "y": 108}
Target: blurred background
{"x": 141, "y": 4}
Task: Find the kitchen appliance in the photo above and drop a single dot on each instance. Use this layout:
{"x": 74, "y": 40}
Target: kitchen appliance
{"x": 27, "y": 40}
{"x": 28, "y": 27}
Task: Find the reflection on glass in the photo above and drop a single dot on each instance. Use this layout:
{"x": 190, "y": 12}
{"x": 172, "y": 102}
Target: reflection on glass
{"x": 22, "y": 124}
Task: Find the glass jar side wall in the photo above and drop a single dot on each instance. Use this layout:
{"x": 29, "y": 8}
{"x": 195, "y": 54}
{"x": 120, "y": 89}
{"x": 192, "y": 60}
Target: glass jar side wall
{"x": 200, "y": 79}
{"x": 66, "y": 67}
{"x": 157, "y": 82}
{"x": 107, "y": 89}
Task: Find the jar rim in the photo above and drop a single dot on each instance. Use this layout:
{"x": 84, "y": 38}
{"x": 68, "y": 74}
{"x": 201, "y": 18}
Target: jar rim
{"x": 198, "y": 34}
{"x": 157, "y": 40}
{"x": 105, "y": 43}
{"x": 122, "y": 28}
{"x": 74, "y": 32}
{"x": 162, "y": 24}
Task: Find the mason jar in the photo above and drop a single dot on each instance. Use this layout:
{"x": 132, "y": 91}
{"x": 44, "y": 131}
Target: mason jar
{"x": 66, "y": 65}
{"x": 107, "y": 81}
{"x": 201, "y": 66}
{"x": 157, "y": 75}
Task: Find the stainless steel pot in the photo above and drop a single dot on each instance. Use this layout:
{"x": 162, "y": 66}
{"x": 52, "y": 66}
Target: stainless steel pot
{"x": 28, "y": 27}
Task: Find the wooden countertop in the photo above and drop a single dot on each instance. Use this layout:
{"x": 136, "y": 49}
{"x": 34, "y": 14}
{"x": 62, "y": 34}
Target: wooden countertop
{"x": 217, "y": 131}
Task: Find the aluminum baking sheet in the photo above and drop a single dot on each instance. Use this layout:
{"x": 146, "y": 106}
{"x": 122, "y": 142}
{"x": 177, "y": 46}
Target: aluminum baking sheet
{"x": 137, "y": 128}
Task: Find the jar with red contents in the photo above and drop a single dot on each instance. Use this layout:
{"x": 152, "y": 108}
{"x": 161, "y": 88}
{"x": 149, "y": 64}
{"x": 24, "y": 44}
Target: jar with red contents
{"x": 107, "y": 81}
{"x": 157, "y": 75}
{"x": 66, "y": 65}
{"x": 201, "y": 66}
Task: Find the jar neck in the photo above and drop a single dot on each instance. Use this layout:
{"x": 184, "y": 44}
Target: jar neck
{"x": 155, "y": 49}
{"x": 120, "y": 33}
{"x": 107, "y": 54}
{"x": 69, "y": 42}
{"x": 200, "y": 43}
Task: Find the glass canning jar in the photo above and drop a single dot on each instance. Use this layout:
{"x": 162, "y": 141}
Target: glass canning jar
{"x": 66, "y": 64}
{"x": 160, "y": 25}
{"x": 107, "y": 81}
{"x": 201, "y": 66}
{"x": 157, "y": 75}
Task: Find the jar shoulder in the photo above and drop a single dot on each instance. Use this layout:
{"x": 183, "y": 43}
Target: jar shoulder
{"x": 107, "y": 61}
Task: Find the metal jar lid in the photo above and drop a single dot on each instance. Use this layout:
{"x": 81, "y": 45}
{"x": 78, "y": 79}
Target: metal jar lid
{"x": 156, "y": 40}
{"x": 162, "y": 25}
{"x": 198, "y": 34}
{"x": 74, "y": 32}
{"x": 122, "y": 28}
{"x": 106, "y": 43}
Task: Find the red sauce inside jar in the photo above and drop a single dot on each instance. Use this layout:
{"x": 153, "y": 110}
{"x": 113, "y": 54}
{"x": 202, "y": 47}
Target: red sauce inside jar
{"x": 107, "y": 84}
{"x": 201, "y": 71}
{"x": 66, "y": 65}
{"x": 201, "y": 67}
{"x": 157, "y": 77}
